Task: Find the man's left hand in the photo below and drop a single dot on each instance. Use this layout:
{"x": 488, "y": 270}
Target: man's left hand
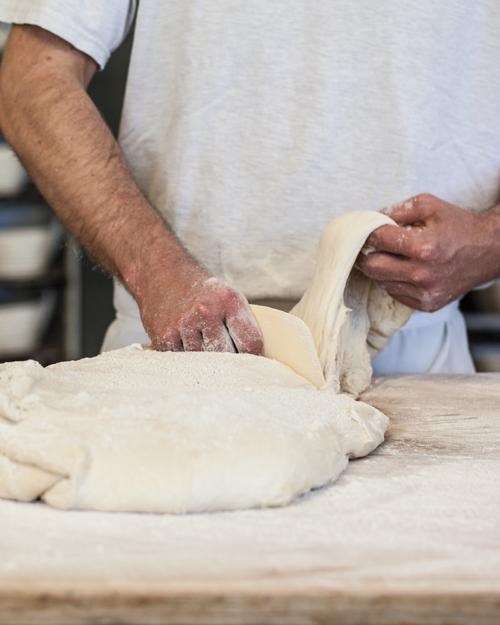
{"x": 437, "y": 253}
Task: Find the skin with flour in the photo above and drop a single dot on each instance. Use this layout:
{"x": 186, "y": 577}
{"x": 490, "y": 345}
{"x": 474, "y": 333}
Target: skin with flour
{"x": 76, "y": 163}
{"x": 437, "y": 253}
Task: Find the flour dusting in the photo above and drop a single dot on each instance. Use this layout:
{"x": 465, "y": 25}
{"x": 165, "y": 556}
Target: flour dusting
{"x": 141, "y": 430}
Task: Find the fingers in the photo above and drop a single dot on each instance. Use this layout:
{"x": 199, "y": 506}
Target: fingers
{"x": 381, "y": 266}
{"x": 414, "y": 242}
{"x": 215, "y": 318}
{"x": 207, "y": 336}
{"x": 245, "y": 331}
{"x": 199, "y": 329}
{"x": 216, "y": 338}
{"x": 165, "y": 341}
{"x": 408, "y": 281}
{"x": 202, "y": 325}
{"x": 191, "y": 340}
{"x": 233, "y": 328}
{"x": 419, "y": 299}
{"x": 431, "y": 257}
{"x": 413, "y": 211}
{"x": 392, "y": 239}
{"x": 408, "y": 237}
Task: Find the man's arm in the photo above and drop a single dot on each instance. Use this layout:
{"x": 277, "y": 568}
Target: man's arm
{"x": 47, "y": 117}
{"x": 438, "y": 253}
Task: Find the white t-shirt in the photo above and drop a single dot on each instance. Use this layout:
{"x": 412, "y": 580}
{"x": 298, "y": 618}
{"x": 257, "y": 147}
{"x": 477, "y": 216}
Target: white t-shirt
{"x": 250, "y": 125}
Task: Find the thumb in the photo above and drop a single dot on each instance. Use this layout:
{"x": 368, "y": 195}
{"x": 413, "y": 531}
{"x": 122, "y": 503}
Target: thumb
{"x": 414, "y": 211}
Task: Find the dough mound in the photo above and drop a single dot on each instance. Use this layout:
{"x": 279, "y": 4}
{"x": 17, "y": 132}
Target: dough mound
{"x": 139, "y": 430}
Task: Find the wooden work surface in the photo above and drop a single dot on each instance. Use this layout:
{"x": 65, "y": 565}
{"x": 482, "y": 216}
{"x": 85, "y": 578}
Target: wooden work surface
{"x": 409, "y": 535}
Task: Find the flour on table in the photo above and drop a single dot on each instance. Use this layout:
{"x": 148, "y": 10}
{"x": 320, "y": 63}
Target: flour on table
{"x": 140, "y": 430}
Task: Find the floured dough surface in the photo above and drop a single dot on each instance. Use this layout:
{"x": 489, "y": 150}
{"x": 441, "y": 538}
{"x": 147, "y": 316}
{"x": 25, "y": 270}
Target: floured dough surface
{"x": 139, "y": 430}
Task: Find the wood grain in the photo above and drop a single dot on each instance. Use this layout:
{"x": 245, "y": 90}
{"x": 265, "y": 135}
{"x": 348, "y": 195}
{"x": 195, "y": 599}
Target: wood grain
{"x": 161, "y": 607}
{"x": 408, "y": 536}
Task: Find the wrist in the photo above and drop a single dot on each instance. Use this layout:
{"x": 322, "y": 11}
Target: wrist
{"x": 154, "y": 259}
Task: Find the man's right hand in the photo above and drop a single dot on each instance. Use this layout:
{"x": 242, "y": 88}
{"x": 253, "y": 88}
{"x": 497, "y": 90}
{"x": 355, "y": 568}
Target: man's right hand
{"x": 183, "y": 307}
{"x": 63, "y": 142}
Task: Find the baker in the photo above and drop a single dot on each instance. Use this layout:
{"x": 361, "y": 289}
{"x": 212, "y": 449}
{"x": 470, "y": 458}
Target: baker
{"x": 247, "y": 127}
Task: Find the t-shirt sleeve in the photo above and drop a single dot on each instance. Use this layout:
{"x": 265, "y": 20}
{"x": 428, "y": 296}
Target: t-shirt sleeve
{"x": 96, "y": 27}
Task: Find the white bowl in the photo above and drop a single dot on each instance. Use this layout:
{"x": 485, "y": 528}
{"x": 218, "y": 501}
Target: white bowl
{"x": 23, "y": 324}
{"x": 27, "y": 252}
{"x": 13, "y": 176}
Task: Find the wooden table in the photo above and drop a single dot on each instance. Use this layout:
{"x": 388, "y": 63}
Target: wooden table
{"x": 409, "y": 535}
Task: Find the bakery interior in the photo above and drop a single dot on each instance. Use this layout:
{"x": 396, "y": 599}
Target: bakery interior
{"x": 422, "y": 548}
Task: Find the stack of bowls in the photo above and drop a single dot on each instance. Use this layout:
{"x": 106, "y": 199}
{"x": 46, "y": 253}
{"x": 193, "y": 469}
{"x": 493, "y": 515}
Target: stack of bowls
{"x": 24, "y": 316}
{"x": 13, "y": 176}
{"x": 29, "y": 237}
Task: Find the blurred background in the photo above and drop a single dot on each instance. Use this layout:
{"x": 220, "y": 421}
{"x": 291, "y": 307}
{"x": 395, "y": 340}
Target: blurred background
{"x": 55, "y": 303}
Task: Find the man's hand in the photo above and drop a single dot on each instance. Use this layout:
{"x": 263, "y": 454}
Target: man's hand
{"x": 437, "y": 253}
{"x": 183, "y": 307}
{"x": 47, "y": 117}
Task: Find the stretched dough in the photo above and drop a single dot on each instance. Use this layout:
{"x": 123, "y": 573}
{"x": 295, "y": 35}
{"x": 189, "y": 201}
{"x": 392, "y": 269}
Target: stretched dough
{"x": 140, "y": 430}
{"x": 288, "y": 339}
{"x": 350, "y": 317}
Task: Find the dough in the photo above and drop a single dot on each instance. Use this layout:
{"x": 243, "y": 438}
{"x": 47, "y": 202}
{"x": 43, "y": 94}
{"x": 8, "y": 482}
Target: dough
{"x": 287, "y": 339}
{"x": 139, "y": 430}
{"x": 350, "y": 317}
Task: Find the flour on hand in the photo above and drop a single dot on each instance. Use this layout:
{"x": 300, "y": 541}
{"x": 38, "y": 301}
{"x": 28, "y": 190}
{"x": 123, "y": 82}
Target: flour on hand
{"x": 146, "y": 431}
